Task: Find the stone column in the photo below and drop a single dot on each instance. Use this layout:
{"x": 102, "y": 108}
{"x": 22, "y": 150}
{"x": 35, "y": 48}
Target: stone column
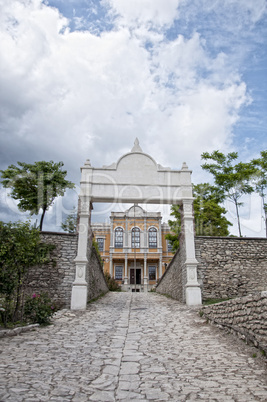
{"x": 126, "y": 270}
{"x": 160, "y": 249}
{"x": 111, "y": 248}
{"x": 79, "y": 287}
{"x": 160, "y": 265}
{"x": 192, "y": 287}
{"x": 145, "y": 273}
{"x": 145, "y": 233}
{"x": 145, "y": 255}
{"x": 111, "y": 265}
{"x": 126, "y": 233}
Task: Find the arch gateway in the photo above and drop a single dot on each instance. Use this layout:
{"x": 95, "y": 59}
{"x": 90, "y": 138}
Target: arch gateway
{"x": 136, "y": 178}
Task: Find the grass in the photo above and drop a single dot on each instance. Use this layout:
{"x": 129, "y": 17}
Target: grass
{"x": 12, "y": 325}
{"x": 208, "y": 302}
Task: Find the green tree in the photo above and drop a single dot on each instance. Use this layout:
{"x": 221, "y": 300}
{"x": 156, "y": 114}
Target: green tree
{"x": 232, "y": 181}
{"x": 260, "y": 181}
{"x": 20, "y": 248}
{"x": 70, "y": 223}
{"x": 208, "y": 214}
{"x": 175, "y": 227}
{"x": 36, "y": 185}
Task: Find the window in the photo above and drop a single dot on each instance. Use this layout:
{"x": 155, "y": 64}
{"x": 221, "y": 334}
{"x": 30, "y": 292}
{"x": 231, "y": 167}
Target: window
{"x": 152, "y": 273}
{"x": 152, "y": 238}
{"x": 118, "y": 237}
{"x": 118, "y": 272}
{"x": 100, "y": 243}
{"x": 135, "y": 238}
{"x": 169, "y": 245}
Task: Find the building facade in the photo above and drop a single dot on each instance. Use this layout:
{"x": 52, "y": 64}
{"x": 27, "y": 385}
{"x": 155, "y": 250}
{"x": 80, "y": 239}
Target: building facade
{"x": 133, "y": 248}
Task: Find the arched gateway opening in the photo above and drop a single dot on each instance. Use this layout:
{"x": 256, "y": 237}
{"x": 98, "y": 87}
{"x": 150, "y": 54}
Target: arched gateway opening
{"x": 136, "y": 178}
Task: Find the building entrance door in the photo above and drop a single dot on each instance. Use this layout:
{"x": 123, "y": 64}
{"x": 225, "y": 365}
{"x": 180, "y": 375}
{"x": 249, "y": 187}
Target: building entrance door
{"x": 135, "y": 276}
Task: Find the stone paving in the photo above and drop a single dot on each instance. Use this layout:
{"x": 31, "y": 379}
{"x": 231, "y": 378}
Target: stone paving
{"x": 130, "y": 346}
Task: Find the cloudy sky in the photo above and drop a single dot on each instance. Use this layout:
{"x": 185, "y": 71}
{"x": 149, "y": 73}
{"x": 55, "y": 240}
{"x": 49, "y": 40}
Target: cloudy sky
{"x": 83, "y": 78}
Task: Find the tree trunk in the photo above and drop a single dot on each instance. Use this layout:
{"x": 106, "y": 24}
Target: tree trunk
{"x": 265, "y": 214}
{"x": 18, "y": 298}
{"x": 42, "y": 219}
{"x": 238, "y": 218}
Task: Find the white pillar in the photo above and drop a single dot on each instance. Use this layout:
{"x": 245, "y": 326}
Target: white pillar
{"x": 160, "y": 266}
{"x": 145, "y": 273}
{"x": 111, "y": 265}
{"x": 79, "y": 287}
{"x": 192, "y": 291}
{"x": 160, "y": 249}
{"x": 111, "y": 248}
{"x": 126, "y": 270}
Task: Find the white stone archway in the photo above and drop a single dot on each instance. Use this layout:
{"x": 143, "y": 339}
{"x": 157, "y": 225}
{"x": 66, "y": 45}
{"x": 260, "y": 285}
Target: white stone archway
{"x": 135, "y": 178}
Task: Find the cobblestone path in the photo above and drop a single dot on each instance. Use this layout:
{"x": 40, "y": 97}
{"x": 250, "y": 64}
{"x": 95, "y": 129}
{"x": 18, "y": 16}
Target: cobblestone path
{"x": 130, "y": 346}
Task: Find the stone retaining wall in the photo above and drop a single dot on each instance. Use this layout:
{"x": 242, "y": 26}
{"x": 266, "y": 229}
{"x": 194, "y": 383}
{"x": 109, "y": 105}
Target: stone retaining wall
{"x": 57, "y": 277}
{"x": 172, "y": 282}
{"x": 244, "y": 316}
{"x": 231, "y": 266}
{"x": 228, "y": 267}
{"x": 96, "y": 281}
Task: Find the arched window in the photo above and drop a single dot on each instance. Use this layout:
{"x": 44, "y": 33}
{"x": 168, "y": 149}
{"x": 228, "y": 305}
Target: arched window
{"x": 119, "y": 237}
{"x": 152, "y": 238}
{"x": 135, "y": 237}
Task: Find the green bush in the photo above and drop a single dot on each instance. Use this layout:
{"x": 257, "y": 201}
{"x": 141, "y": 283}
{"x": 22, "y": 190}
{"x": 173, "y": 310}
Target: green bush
{"x": 20, "y": 249}
{"x": 113, "y": 286}
{"x": 39, "y": 308}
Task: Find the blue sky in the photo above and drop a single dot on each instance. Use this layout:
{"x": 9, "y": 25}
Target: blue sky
{"x": 82, "y": 79}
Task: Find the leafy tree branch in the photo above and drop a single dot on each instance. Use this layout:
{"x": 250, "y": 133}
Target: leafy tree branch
{"x": 36, "y": 185}
{"x": 231, "y": 180}
{"x": 208, "y": 213}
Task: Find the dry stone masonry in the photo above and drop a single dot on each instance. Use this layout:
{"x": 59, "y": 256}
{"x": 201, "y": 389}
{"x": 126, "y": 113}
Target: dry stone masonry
{"x": 228, "y": 267}
{"x": 57, "y": 277}
{"x": 174, "y": 279}
{"x": 244, "y": 316}
{"x": 231, "y": 267}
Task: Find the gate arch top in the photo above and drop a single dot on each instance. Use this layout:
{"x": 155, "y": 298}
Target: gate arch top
{"x": 136, "y": 177}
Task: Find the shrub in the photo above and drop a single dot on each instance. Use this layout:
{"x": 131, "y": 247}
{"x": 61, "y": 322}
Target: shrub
{"x": 20, "y": 249}
{"x": 113, "y": 286}
{"x": 39, "y": 308}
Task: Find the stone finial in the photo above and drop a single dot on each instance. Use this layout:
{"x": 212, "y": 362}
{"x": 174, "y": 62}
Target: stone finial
{"x": 136, "y": 147}
{"x": 184, "y": 166}
{"x": 87, "y": 162}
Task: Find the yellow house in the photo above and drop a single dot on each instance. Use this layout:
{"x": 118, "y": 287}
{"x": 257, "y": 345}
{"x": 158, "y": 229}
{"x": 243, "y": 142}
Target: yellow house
{"x": 133, "y": 247}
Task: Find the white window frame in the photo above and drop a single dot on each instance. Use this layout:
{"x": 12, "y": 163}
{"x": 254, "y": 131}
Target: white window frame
{"x": 103, "y": 242}
{"x": 152, "y": 266}
{"x": 153, "y": 230}
{"x": 119, "y": 266}
{"x": 120, "y": 231}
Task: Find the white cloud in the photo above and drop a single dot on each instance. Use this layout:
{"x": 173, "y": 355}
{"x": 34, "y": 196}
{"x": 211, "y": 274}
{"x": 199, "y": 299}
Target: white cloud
{"x": 153, "y": 13}
{"x": 245, "y": 11}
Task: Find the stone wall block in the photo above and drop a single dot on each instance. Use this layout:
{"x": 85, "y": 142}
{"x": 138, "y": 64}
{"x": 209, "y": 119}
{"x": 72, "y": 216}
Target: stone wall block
{"x": 250, "y": 326}
{"x": 56, "y": 278}
{"x": 231, "y": 267}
